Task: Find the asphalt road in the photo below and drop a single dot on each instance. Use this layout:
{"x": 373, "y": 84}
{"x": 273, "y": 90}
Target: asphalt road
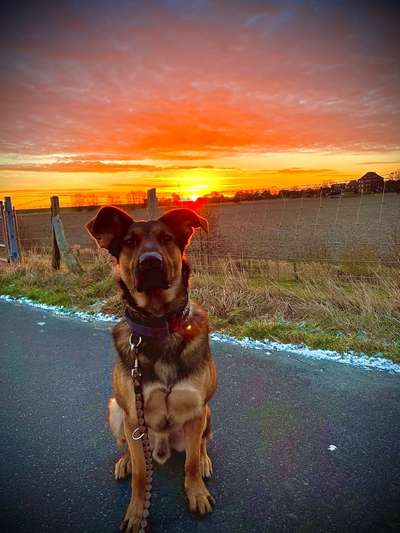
{"x": 275, "y": 419}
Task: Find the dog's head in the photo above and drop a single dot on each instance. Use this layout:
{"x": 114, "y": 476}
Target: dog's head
{"x": 149, "y": 254}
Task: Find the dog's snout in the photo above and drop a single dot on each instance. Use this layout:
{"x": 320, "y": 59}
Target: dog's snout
{"x": 150, "y": 259}
{"x": 151, "y": 272}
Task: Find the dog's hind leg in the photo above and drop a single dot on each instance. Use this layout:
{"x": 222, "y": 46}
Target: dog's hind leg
{"x": 123, "y": 466}
{"x": 116, "y": 420}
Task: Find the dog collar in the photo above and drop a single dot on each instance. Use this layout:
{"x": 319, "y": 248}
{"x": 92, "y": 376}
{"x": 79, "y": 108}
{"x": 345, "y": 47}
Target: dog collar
{"x": 164, "y": 326}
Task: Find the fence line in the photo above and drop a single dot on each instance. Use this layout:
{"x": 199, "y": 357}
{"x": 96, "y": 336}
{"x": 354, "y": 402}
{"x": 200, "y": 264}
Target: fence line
{"x": 363, "y": 228}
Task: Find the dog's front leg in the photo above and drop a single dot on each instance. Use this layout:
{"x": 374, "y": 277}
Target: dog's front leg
{"x": 200, "y": 499}
{"x": 133, "y": 516}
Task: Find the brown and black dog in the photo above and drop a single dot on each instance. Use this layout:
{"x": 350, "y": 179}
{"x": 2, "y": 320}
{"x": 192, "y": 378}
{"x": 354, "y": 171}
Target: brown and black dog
{"x": 178, "y": 372}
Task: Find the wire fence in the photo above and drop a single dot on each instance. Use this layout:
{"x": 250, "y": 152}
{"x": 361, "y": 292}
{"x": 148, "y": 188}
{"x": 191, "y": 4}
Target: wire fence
{"x": 362, "y": 228}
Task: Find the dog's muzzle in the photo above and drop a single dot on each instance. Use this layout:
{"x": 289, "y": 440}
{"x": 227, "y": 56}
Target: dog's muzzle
{"x": 150, "y": 259}
{"x": 151, "y": 272}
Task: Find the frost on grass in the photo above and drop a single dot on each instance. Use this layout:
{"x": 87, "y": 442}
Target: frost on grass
{"x": 349, "y": 358}
{"x": 60, "y": 310}
{"x": 266, "y": 346}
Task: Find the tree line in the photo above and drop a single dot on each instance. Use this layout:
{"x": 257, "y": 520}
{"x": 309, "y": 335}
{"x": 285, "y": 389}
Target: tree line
{"x": 138, "y": 199}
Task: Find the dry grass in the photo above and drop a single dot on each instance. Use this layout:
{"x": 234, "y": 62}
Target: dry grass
{"x": 321, "y": 308}
{"x": 326, "y": 306}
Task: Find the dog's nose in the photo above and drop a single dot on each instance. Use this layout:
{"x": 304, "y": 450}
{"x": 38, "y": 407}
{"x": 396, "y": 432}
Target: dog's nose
{"x": 150, "y": 260}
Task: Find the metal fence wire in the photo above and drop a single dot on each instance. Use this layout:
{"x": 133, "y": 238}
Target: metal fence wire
{"x": 362, "y": 227}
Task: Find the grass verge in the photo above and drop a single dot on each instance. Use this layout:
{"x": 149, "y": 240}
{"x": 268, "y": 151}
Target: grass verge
{"x": 321, "y": 309}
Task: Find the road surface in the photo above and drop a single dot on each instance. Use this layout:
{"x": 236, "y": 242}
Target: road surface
{"x": 299, "y": 444}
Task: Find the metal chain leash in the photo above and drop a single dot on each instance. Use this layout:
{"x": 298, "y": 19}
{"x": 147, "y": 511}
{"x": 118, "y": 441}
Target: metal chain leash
{"x": 141, "y": 433}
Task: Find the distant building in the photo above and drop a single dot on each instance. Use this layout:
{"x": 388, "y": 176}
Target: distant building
{"x": 337, "y": 189}
{"x": 352, "y": 186}
{"x": 370, "y": 182}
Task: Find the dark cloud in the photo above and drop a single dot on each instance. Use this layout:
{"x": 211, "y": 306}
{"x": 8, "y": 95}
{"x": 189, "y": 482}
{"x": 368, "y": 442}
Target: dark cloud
{"x": 140, "y": 79}
{"x": 305, "y": 170}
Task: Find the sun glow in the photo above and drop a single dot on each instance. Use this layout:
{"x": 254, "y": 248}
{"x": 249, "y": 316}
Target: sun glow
{"x": 197, "y": 182}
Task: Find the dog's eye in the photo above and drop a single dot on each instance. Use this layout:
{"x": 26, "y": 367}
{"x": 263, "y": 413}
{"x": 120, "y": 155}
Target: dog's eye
{"x": 165, "y": 238}
{"x": 131, "y": 241}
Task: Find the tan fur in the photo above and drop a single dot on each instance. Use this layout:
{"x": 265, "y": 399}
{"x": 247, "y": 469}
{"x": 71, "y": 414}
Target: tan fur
{"x": 176, "y": 419}
{"x": 177, "y": 393}
{"x": 116, "y": 421}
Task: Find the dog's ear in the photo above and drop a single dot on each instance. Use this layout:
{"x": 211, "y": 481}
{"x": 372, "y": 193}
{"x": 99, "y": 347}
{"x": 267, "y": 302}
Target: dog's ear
{"x": 182, "y": 222}
{"x": 108, "y": 228}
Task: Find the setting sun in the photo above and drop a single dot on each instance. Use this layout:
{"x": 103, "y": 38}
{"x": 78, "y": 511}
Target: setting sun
{"x": 196, "y": 182}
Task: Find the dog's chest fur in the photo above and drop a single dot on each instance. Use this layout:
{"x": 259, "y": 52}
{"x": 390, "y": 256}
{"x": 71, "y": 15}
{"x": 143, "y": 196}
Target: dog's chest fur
{"x": 170, "y": 359}
{"x": 166, "y": 372}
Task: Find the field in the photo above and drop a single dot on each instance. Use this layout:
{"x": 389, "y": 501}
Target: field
{"x": 304, "y": 229}
{"x": 323, "y": 272}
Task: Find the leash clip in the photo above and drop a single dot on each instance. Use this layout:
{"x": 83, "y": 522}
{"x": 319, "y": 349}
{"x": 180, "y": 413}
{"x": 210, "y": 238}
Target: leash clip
{"x": 135, "y": 370}
{"x": 134, "y": 346}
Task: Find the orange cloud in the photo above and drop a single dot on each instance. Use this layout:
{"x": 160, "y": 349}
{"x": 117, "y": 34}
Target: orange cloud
{"x": 238, "y": 87}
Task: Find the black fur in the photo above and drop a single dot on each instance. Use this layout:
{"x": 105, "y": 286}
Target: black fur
{"x": 167, "y": 350}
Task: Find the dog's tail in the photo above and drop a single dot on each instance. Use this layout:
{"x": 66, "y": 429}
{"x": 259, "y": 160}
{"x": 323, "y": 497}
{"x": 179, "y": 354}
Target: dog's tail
{"x": 116, "y": 421}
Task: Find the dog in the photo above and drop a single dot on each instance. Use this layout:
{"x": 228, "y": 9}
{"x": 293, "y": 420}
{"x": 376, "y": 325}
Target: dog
{"x": 178, "y": 373}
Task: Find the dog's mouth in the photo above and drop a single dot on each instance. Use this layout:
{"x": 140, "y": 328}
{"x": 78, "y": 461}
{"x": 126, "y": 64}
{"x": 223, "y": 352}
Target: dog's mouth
{"x": 152, "y": 277}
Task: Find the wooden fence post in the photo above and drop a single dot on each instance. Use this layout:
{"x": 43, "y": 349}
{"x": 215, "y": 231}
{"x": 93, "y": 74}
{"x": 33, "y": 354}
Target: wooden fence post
{"x": 60, "y": 240}
{"x": 55, "y": 256}
{"x": 4, "y": 228}
{"x": 12, "y": 242}
{"x": 17, "y": 233}
{"x": 152, "y": 205}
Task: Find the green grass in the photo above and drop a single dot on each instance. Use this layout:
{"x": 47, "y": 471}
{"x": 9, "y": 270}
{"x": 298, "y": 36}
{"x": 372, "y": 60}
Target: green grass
{"x": 322, "y": 309}
{"x": 314, "y": 337}
{"x": 35, "y": 279}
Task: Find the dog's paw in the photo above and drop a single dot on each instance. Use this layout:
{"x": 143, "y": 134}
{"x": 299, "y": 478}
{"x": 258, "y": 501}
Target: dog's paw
{"x": 200, "y": 500}
{"x": 133, "y": 521}
{"x": 123, "y": 467}
{"x": 206, "y": 467}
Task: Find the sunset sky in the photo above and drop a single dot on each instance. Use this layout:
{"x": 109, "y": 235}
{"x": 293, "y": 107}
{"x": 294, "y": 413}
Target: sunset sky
{"x": 195, "y": 96}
